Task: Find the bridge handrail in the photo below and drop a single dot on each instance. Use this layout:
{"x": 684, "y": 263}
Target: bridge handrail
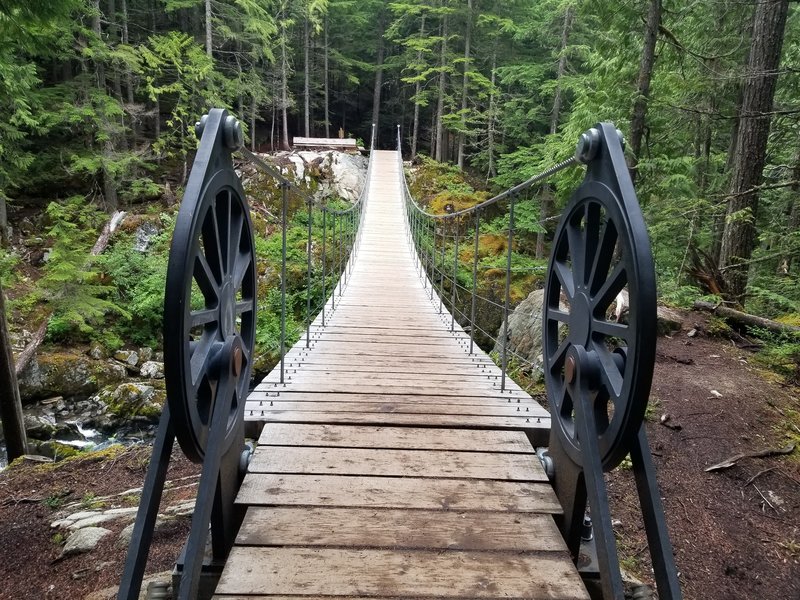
{"x": 427, "y": 260}
{"x": 512, "y": 191}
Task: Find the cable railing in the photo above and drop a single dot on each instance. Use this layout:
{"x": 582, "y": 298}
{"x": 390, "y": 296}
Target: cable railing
{"x": 439, "y": 240}
{"x": 339, "y": 232}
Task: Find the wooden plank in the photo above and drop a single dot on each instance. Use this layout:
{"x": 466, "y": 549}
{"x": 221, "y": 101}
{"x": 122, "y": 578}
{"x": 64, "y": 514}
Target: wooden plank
{"x": 340, "y": 572}
{"x": 332, "y": 357}
{"x": 483, "y": 495}
{"x": 456, "y": 403}
{"x": 378, "y": 387}
{"x": 280, "y": 434}
{"x": 420, "y": 408}
{"x": 397, "y": 463}
{"x": 391, "y": 367}
{"x": 538, "y": 428}
{"x": 403, "y": 529}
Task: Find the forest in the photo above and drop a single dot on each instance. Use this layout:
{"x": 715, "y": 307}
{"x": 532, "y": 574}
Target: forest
{"x": 99, "y": 99}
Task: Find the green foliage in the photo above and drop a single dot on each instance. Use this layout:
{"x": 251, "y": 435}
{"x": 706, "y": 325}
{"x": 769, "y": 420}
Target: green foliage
{"x": 71, "y": 283}
{"x": 139, "y": 280}
{"x": 8, "y": 272}
{"x": 782, "y": 357}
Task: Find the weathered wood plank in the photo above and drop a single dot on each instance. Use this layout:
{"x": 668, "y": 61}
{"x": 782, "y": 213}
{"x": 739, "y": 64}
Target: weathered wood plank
{"x": 402, "y": 529}
{"x": 421, "y": 408}
{"x": 379, "y": 387}
{"x": 398, "y": 463}
{"x": 280, "y": 434}
{"x": 538, "y": 428}
{"x": 263, "y": 398}
{"x": 315, "y": 571}
{"x": 397, "y": 492}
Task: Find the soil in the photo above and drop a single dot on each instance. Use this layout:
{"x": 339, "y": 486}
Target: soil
{"x": 736, "y": 532}
{"x": 32, "y": 496}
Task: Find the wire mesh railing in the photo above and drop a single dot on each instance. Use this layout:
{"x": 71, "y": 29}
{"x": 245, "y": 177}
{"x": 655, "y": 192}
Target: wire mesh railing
{"x": 482, "y": 310}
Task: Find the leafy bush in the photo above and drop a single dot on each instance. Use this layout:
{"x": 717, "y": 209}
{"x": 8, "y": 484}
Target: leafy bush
{"x": 72, "y": 281}
{"x": 139, "y": 279}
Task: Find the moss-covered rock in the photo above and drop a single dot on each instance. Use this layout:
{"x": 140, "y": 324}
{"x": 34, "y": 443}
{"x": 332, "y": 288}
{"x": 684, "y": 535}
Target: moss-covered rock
{"x": 132, "y": 400}
{"x": 65, "y": 374}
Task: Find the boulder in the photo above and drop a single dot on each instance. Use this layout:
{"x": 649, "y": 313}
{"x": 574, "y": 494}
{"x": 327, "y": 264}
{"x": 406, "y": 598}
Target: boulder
{"x": 97, "y": 352}
{"x": 145, "y": 355}
{"x": 152, "y": 370}
{"x": 128, "y": 357}
{"x": 144, "y": 235}
{"x": 65, "y": 374}
{"x": 84, "y": 540}
{"x": 128, "y": 402}
{"x": 327, "y": 173}
{"x": 525, "y": 330}
{"x": 669, "y": 320}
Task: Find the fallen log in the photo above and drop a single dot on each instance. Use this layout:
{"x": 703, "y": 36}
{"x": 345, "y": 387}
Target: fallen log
{"x": 748, "y": 320}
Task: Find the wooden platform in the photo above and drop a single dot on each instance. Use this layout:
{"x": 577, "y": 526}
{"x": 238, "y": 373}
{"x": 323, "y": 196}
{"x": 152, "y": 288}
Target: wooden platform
{"x": 392, "y": 464}
{"x": 341, "y": 144}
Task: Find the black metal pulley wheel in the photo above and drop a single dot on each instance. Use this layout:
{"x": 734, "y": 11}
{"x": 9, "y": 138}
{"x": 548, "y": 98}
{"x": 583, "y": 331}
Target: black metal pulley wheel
{"x": 210, "y": 292}
{"x": 600, "y": 305}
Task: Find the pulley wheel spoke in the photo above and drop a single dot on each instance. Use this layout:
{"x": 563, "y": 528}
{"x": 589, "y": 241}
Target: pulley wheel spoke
{"x": 611, "y": 329}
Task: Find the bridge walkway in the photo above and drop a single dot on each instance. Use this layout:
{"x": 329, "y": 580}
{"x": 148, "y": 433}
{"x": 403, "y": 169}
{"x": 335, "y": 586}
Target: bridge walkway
{"x": 391, "y": 463}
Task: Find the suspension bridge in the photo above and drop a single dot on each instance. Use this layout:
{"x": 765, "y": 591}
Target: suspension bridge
{"x": 395, "y": 459}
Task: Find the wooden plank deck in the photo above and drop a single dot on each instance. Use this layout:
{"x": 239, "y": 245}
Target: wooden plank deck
{"x": 392, "y": 464}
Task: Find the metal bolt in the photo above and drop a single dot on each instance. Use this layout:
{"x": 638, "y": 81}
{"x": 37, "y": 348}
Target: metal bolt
{"x": 200, "y": 126}
{"x": 236, "y": 361}
{"x": 587, "y": 147}
{"x": 569, "y": 369}
{"x": 621, "y": 138}
{"x": 232, "y": 130}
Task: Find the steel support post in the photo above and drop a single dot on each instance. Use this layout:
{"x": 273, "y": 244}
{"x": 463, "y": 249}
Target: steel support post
{"x": 441, "y": 269}
{"x": 511, "y": 201}
{"x": 453, "y": 284}
{"x": 474, "y": 282}
{"x": 333, "y": 242}
{"x": 139, "y": 546}
{"x": 308, "y": 285}
{"x": 324, "y": 260}
{"x": 284, "y": 218}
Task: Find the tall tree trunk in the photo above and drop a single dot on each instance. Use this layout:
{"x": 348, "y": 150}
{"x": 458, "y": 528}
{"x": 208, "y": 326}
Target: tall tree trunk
{"x": 253, "y": 114}
{"x": 491, "y": 171}
{"x": 738, "y": 238}
{"x": 555, "y": 113}
{"x": 10, "y": 402}
{"x": 462, "y": 135}
{"x": 376, "y": 92}
{"x": 209, "y": 40}
{"x": 325, "y": 90}
{"x": 123, "y": 5}
{"x": 114, "y": 38}
{"x": 793, "y": 223}
{"x": 109, "y": 185}
{"x": 417, "y": 91}
{"x": 284, "y": 96}
{"x": 643, "y": 86}
{"x": 3, "y": 222}
{"x": 440, "y": 102}
{"x": 307, "y": 76}
{"x": 719, "y": 219}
